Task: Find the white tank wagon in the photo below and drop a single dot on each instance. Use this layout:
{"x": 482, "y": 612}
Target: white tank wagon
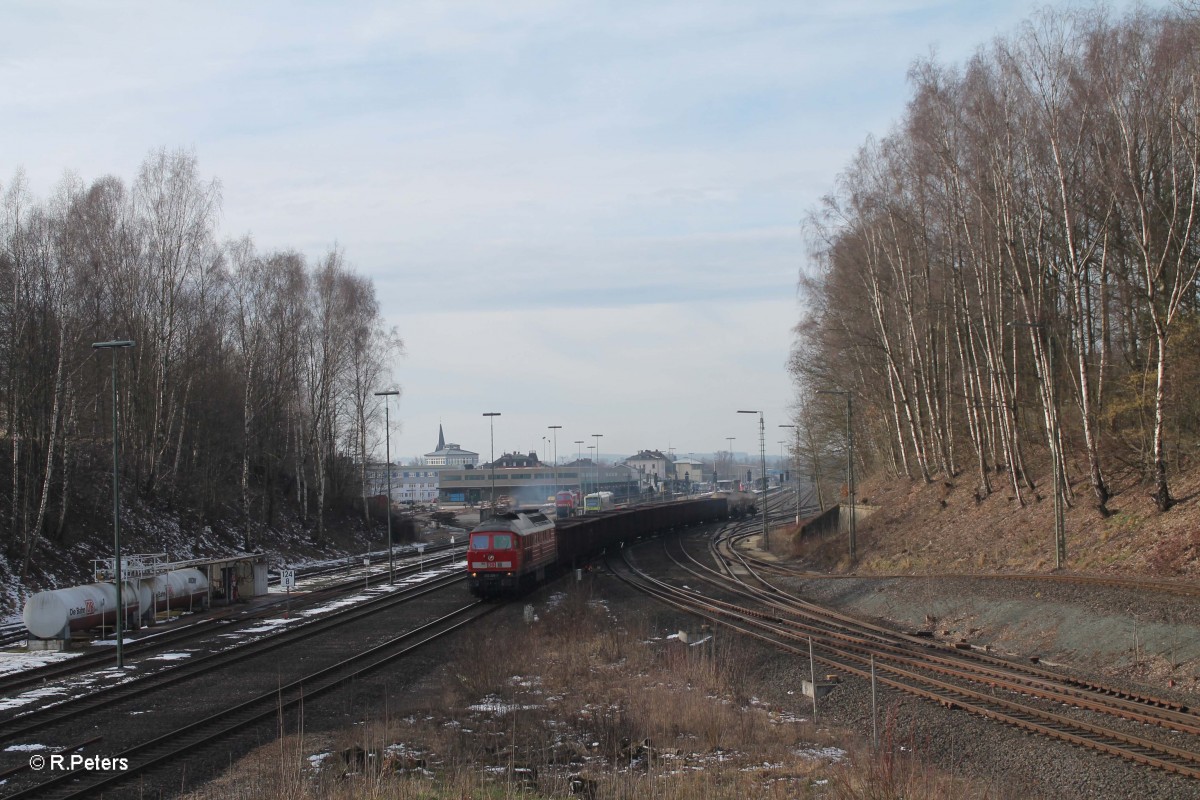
{"x": 180, "y": 588}
{"x": 54, "y": 614}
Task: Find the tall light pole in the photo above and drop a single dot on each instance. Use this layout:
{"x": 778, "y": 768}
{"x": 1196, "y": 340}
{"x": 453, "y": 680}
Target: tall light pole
{"x": 597, "y": 437}
{"x": 849, "y": 466}
{"x": 1060, "y": 532}
{"x": 491, "y": 415}
{"x": 579, "y": 471}
{"x": 795, "y": 470}
{"x": 729, "y": 440}
{"x": 762, "y": 457}
{"x": 781, "y": 444}
{"x": 387, "y": 437}
{"x": 113, "y": 347}
{"x": 555, "y": 429}
{"x": 595, "y": 488}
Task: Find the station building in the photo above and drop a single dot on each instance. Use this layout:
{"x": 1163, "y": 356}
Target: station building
{"x": 535, "y": 483}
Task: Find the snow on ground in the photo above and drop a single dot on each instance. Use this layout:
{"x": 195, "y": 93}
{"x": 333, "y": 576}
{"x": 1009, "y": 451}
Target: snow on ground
{"x": 831, "y": 755}
{"x": 31, "y": 697}
{"x": 18, "y": 662}
{"x": 494, "y": 705}
{"x": 25, "y": 748}
{"x": 77, "y": 685}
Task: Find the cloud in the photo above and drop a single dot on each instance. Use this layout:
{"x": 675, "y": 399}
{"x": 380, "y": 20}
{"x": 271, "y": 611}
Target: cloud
{"x": 578, "y": 211}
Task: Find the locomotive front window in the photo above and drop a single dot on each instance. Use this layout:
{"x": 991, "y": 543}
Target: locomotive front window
{"x": 479, "y": 541}
{"x": 501, "y": 541}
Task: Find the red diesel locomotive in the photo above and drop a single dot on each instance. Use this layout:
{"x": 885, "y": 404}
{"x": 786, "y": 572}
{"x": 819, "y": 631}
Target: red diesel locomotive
{"x": 511, "y": 553}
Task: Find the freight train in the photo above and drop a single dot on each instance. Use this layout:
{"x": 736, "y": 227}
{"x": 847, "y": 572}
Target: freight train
{"x": 511, "y": 553}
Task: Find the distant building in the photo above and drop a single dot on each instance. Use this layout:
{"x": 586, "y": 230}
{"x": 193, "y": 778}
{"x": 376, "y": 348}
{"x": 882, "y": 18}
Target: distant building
{"x": 409, "y": 484}
{"x": 450, "y": 455}
{"x": 515, "y": 460}
{"x": 689, "y": 470}
{"x": 653, "y": 466}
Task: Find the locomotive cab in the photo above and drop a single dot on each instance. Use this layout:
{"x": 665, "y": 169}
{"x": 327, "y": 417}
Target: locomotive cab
{"x": 509, "y": 553}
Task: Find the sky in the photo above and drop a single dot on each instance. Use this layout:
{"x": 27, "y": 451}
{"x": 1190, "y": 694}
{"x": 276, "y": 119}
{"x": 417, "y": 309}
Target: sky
{"x": 581, "y": 214}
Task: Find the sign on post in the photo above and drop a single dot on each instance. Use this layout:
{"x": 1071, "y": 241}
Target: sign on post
{"x": 287, "y": 579}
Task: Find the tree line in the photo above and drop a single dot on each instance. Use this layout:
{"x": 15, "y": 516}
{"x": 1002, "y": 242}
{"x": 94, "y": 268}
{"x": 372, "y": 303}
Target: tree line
{"x": 250, "y": 383}
{"x": 1017, "y": 264}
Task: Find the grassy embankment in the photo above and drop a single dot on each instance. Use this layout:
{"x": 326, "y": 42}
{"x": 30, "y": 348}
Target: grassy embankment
{"x": 582, "y": 704}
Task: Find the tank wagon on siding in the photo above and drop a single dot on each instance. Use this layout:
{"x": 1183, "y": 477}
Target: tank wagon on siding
{"x": 514, "y": 552}
{"x": 56, "y": 613}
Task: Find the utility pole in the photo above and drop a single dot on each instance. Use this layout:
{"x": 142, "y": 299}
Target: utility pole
{"x": 113, "y": 347}
{"x": 796, "y": 468}
{"x": 491, "y": 415}
{"x": 555, "y": 429}
{"x": 849, "y": 466}
{"x": 387, "y": 427}
{"x": 762, "y": 457}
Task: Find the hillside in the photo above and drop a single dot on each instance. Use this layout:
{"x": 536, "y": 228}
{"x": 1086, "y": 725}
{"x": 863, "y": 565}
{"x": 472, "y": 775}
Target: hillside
{"x": 940, "y": 527}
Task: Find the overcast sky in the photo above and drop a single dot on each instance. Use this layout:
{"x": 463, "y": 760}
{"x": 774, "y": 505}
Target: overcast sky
{"x": 576, "y": 214}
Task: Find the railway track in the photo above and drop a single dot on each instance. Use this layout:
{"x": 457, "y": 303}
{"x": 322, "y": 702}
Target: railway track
{"x": 24, "y": 724}
{"x": 1084, "y": 713}
{"x": 200, "y": 626}
{"x": 15, "y": 633}
{"x": 166, "y": 749}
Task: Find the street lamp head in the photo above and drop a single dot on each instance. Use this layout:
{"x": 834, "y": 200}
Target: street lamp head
{"x": 491, "y": 413}
{"x": 388, "y": 393}
{"x": 749, "y": 412}
{"x": 112, "y": 345}
{"x": 554, "y": 427}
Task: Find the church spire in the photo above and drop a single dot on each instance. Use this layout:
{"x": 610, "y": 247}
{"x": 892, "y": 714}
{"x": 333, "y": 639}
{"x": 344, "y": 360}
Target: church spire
{"x": 441, "y": 438}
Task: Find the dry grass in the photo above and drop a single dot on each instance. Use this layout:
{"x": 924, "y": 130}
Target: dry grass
{"x": 579, "y": 705}
{"x": 948, "y": 527}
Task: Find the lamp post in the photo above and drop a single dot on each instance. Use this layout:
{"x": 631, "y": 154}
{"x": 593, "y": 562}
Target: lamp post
{"x": 591, "y": 458}
{"x": 849, "y": 465}
{"x": 579, "y": 471}
{"x": 491, "y": 415}
{"x": 597, "y": 437}
{"x": 113, "y": 347}
{"x": 795, "y": 470}
{"x": 729, "y": 440}
{"x": 1060, "y": 533}
{"x": 781, "y": 444}
{"x": 387, "y": 437}
{"x": 555, "y": 429}
{"x": 762, "y": 458}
